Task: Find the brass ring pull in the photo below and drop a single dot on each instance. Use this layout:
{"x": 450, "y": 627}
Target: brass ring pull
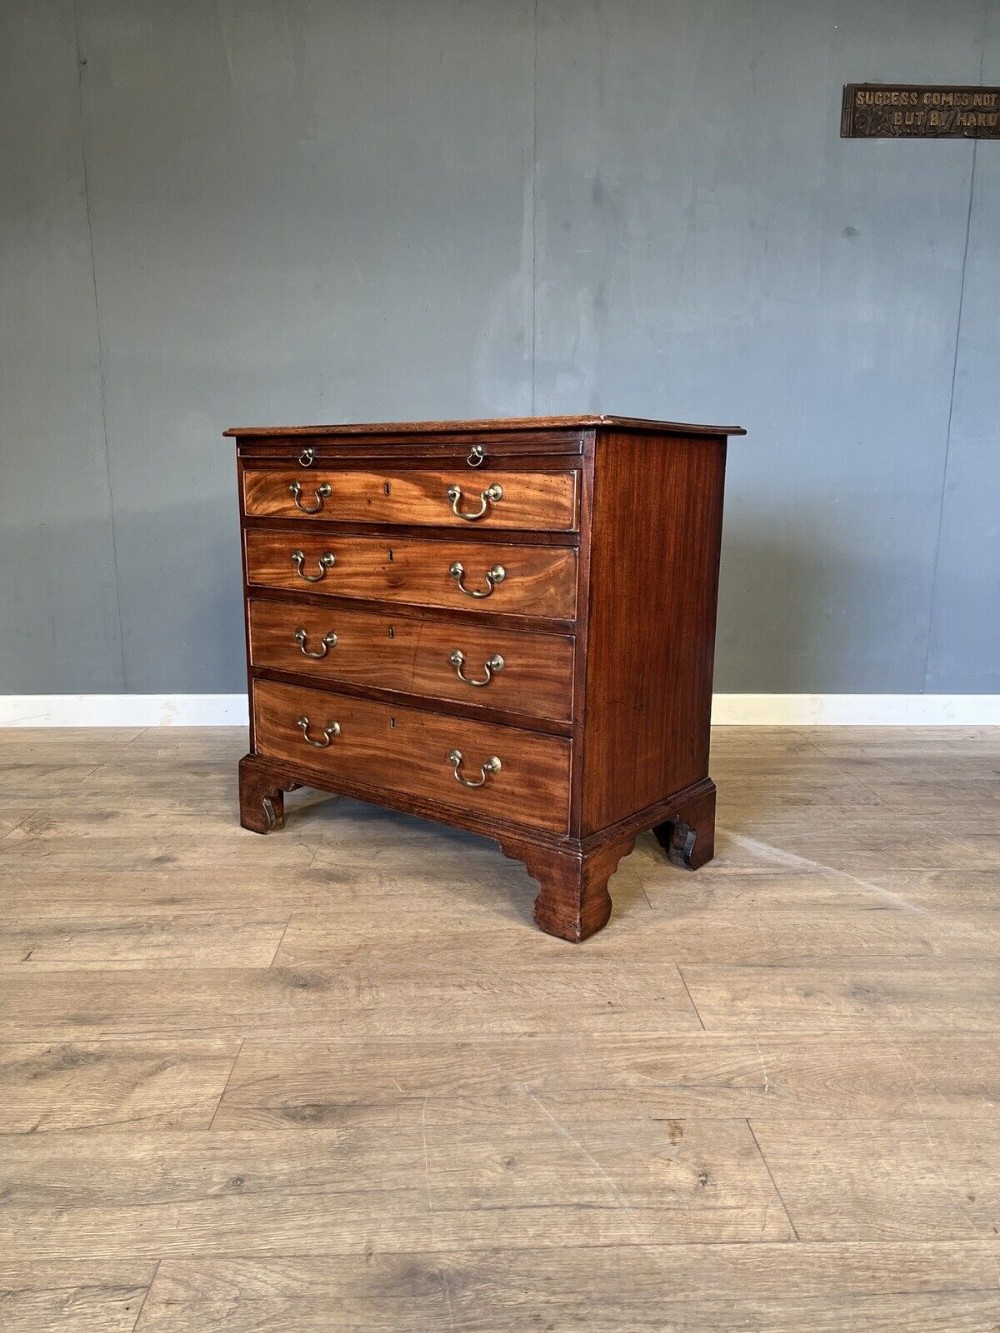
{"x": 326, "y": 561}
{"x": 329, "y": 731}
{"x": 493, "y": 576}
{"x": 477, "y": 454}
{"x": 322, "y": 493}
{"x": 302, "y": 639}
{"x": 491, "y": 666}
{"x": 490, "y": 496}
{"x": 306, "y": 457}
{"x": 491, "y": 766}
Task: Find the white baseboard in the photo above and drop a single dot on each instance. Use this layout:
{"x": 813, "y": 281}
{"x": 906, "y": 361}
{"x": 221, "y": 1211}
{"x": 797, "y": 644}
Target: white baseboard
{"x": 741, "y": 710}
{"x": 856, "y": 710}
{"x": 123, "y": 710}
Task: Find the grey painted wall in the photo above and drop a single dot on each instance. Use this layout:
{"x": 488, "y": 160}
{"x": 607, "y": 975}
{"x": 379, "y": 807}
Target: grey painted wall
{"x": 261, "y": 211}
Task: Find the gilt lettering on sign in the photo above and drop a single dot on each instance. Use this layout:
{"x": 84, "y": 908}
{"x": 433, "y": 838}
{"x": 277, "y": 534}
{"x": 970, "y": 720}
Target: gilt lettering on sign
{"x": 919, "y": 111}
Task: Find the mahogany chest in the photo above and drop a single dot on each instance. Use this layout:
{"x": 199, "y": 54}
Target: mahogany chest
{"x": 503, "y": 625}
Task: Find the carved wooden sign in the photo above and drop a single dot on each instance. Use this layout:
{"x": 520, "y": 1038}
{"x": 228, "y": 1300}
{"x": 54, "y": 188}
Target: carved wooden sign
{"x": 919, "y": 111}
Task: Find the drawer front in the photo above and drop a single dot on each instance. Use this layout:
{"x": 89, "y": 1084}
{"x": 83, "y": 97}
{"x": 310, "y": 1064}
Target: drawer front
{"x": 468, "y": 576}
{"x": 541, "y": 501}
{"x": 462, "y": 450}
{"x": 523, "y": 673}
{"x": 520, "y": 777}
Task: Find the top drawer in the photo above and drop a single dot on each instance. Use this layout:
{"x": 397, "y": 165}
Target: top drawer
{"x": 376, "y": 446}
{"x": 532, "y": 501}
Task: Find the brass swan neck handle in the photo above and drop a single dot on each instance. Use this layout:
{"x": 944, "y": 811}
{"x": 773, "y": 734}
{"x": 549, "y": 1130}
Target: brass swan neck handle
{"x": 486, "y": 771}
{"x": 322, "y": 493}
{"x": 302, "y": 639}
{"x": 493, "y": 576}
{"x": 492, "y": 666}
{"x": 490, "y": 496}
{"x": 326, "y": 561}
{"x": 331, "y": 730}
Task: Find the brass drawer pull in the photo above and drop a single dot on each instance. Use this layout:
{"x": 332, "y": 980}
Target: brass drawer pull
{"x": 322, "y": 493}
{"x": 331, "y": 730}
{"x": 493, "y": 576}
{"x": 326, "y": 561}
{"x": 491, "y": 666}
{"x": 491, "y": 766}
{"x": 306, "y": 457}
{"x": 476, "y": 456}
{"x": 486, "y": 498}
{"x": 302, "y": 639}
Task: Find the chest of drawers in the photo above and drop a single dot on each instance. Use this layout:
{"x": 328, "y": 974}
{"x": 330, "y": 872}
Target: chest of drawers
{"x": 503, "y": 625}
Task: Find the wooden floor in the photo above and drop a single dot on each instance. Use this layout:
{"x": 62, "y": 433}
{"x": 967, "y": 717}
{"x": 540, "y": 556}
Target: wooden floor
{"x": 335, "y": 1078}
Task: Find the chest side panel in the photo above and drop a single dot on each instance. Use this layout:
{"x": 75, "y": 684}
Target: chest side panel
{"x": 657, "y": 528}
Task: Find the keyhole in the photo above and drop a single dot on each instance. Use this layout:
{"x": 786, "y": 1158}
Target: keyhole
{"x": 387, "y": 488}
{"x": 391, "y": 557}
{"x": 392, "y": 724}
{"x": 392, "y": 631}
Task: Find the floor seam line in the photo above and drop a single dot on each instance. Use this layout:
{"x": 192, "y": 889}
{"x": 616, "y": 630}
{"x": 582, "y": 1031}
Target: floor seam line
{"x": 774, "y": 1183}
{"x": 687, "y": 990}
{"x": 146, "y": 1297}
{"x": 229, "y": 1076}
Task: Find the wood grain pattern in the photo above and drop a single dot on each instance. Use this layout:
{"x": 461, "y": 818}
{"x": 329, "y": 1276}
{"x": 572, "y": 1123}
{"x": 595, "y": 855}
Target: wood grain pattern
{"x": 407, "y": 1119}
{"x": 533, "y": 449}
{"x": 491, "y": 425}
{"x": 112, "y": 1085}
{"x": 573, "y": 900}
{"x": 691, "y": 1289}
{"x": 546, "y": 501}
{"x": 416, "y": 1186}
{"x": 783, "y": 1077}
{"x": 893, "y": 1179}
{"x": 916, "y": 993}
{"x": 211, "y": 939}
{"x": 411, "y": 654}
{"x": 652, "y": 622}
{"x": 306, "y": 1004}
{"x": 407, "y": 750}
{"x": 716, "y": 929}
{"x": 645, "y": 507}
{"x": 540, "y": 580}
{"x": 96, "y": 1296}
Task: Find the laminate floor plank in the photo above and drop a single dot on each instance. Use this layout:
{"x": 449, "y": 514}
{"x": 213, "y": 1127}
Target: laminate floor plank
{"x": 499, "y": 893}
{"x": 747, "y": 742}
{"x": 943, "y": 823}
{"x": 280, "y": 1085}
{"x": 375, "y": 996}
{"x": 862, "y": 932}
{"x": 957, "y": 893}
{"x": 800, "y": 789}
{"x": 112, "y": 1085}
{"x": 925, "y": 1179}
{"x": 856, "y": 848}
{"x": 903, "y": 995}
{"x": 912, "y": 744}
{"x": 96, "y": 1296}
{"x": 43, "y": 892}
{"x": 774, "y": 1288}
{"x": 208, "y": 939}
{"x": 918, "y": 795}
{"x": 30, "y": 779}
{"x": 146, "y": 849}
{"x": 14, "y": 814}
{"x": 417, "y": 1184}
